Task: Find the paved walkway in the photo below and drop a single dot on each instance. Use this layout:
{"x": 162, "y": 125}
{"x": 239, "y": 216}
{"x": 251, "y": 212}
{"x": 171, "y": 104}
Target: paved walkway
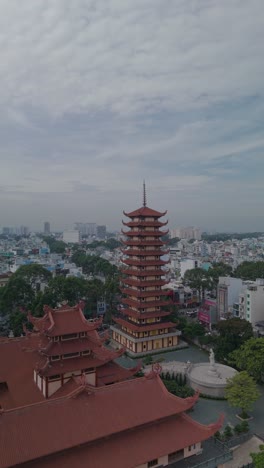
{"x": 241, "y": 454}
{"x": 207, "y": 411}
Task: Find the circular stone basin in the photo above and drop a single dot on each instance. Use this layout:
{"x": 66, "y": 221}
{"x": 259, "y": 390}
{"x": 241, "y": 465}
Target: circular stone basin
{"x": 210, "y": 379}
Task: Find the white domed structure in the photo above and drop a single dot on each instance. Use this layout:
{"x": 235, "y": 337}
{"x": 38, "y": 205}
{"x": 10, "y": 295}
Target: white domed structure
{"x": 210, "y": 378}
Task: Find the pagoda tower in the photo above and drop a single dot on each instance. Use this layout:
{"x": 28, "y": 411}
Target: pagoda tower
{"x": 141, "y": 324}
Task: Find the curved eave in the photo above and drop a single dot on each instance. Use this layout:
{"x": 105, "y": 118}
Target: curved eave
{"x": 143, "y": 233}
{"x": 148, "y": 243}
{"x": 145, "y": 253}
{"x": 138, "y": 293}
{"x": 144, "y": 223}
{"x": 145, "y": 304}
{"x": 147, "y": 273}
{"x": 144, "y": 212}
{"x": 142, "y": 315}
{"x": 141, "y": 284}
{"x": 143, "y": 328}
{"x": 131, "y": 262}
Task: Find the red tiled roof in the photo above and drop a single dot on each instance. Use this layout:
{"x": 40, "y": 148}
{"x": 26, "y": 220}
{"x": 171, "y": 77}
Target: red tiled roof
{"x": 17, "y": 361}
{"x": 146, "y": 304}
{"x": 60, "y": 424}
{"x": 139, "y": 293}
{"x": 144, "y": 223}
{"x": 138, "y": 272}
{"x": 130, "y": 449}
{"x": 145, "y": 211}
{"x": 112, "y": 372}
{"x": 130, "y": 261}
{"x": 20, "y": 356}
{"x": 145, "y": 253}
{"x": 141, "y": 315}
{"x": 63, "y": 321}
{"x": 142, "y": 233}
{"x": 142, "y": 328}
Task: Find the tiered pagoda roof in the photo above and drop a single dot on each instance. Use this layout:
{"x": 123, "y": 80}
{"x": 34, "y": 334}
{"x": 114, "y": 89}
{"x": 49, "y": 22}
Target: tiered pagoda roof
{"x": 41, "y": 350}
{"x": 93, "y": 426}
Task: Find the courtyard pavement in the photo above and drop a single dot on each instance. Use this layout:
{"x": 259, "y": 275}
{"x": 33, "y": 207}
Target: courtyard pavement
{"x": 207, "y": 411}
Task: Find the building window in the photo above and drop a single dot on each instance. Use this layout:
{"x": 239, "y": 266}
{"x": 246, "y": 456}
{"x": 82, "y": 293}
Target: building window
{"x": 56, "y": 338}
{"x": 86, "y": 353}
{"x": 55, "y": 358}
{"x": 54, "y": 377}
{"x": 70, "y": 355}
{"x": 70, "y": 336}
{"x": 83, "y": 334}
{"x": 152, "y": 463}
{"x": 3, "y": 387}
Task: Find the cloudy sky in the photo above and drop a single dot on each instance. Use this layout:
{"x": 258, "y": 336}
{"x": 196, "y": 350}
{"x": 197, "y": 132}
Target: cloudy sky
{"x": 96, "y": 96}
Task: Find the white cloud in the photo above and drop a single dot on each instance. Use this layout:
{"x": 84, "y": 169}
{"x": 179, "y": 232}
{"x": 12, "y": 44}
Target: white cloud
{"x": 102, "y": 94}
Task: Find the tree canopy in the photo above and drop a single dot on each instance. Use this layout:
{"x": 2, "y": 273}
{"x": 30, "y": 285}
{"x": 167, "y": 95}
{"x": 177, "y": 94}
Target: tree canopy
{"x": 250, "y": 270}
{"x": 250, "y": 357}
{"x": 56, "y": 246}
{"x": 94, "y": 264}
{"x": 242, "y": 392}
{"x": 258, "y": 458}
{"x": 232, "y": 333}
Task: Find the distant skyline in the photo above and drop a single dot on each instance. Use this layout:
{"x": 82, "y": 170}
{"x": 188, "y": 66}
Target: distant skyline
{"x": 97, "y": 96}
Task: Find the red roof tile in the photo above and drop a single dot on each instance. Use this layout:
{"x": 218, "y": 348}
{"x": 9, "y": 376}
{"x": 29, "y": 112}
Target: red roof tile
{"x": 106, "y": 412}
{"x": 63, "y": 321}
{"x": 130, "y": 449}
{"x": 145, "y": 211}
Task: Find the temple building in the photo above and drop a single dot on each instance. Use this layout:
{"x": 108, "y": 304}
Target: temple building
{"x": 141, "y": 323}
{"x": 63, "y": 344}
{"x": 65, "y": 402}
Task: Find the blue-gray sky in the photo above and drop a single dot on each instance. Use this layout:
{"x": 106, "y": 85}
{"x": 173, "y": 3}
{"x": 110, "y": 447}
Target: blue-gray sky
{"x": 96, "y": 96}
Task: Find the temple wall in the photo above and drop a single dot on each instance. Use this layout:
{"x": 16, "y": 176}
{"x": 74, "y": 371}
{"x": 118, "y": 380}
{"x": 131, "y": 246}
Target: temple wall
{"x": 192, "y": 450}
{"x": 53, "y": 387}
{"x": 91, "y": 378}
{"x": 161, "y": 461}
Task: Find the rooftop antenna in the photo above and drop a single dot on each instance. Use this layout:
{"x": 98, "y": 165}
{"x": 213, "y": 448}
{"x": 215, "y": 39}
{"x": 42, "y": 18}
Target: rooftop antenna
{"x": 144, "y": 194}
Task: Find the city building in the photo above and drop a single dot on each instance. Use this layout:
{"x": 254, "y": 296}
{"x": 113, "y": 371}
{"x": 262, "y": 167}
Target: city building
{"x": 86, "y": 229}
{"x": 186, "y": 233}
{"x": 207, "y": 313}
{"x": 251, "y": 302}
{"x": 47, "y": 228}
{"x": 188, "y": 264}
{"x": 228, "y": 291}
{"x": 71, "y": 237}
{"x": 101, "y": 232}
{"x": 141, "y": 325}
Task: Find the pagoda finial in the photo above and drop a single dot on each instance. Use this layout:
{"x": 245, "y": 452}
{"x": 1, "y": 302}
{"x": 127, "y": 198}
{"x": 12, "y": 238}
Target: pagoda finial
{"x": 144, "y": 194}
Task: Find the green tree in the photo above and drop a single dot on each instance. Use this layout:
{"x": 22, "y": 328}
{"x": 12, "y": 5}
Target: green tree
{"x": 56, "y": 246}
{"x": 217, "y": 270}
{"x": 33, "y": 274}
{"x": 197, "y": 278}
{"x": 17, "y": 294}
{"x": 17, "y": 319}
{"x": 232, "y": 334}
{"x": 250, "y": 270}
{"x": 250, "y": 357}
{"x": 242, "y": 392}
{"x": 258, "y": 458}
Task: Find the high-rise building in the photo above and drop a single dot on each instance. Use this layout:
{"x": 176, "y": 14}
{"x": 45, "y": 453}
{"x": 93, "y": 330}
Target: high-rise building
{"x": 86, "y": 229}
{"x": 101, "y": 232}
{"x": 186, "y": 233}
{"x": 141, "y": 325}
{"x": 71, "y": 237}
{"x": 46, "y": 227}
